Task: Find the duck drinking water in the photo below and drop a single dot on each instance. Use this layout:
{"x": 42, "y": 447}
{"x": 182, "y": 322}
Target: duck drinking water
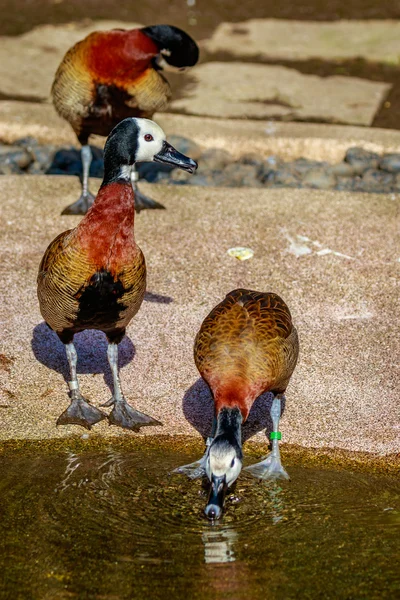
{"x": 246, "y": 346}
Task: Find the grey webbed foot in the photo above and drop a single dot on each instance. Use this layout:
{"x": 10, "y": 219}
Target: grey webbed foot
{"x": 270, "y": 468}
{"x": 81, "y": 206}
{"x": 123, "y": 415}
{"x": 193, "y": 470}
{"x": 143, "y": 202}
{"x": 80, "y": 412}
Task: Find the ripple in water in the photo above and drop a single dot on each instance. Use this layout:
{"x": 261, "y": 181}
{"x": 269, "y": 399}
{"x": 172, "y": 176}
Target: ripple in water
{"x": 105, "y": 523}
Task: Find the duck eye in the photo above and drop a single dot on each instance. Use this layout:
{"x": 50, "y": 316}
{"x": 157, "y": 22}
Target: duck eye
{"x": 232, "y": 463}
{"x": 148, "y": 137}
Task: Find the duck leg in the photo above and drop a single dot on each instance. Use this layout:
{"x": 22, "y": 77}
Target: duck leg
{"x": 79, "y": 412}
{"x": 141, "y": 201}
{"x": 271, "y": 467}
{"x": 198, "y": 468}
{"x": 122, "y": 413}
{"x": 86, "y": 199}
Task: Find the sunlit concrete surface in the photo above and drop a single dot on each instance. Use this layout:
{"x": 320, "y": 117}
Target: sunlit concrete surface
{"x": 333, "y": 256}
{"x": 245, "y": 90}
{"x": 281, "y": 39}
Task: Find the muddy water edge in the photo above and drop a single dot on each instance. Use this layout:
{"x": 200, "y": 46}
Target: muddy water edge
{"x": 108, "y": 519}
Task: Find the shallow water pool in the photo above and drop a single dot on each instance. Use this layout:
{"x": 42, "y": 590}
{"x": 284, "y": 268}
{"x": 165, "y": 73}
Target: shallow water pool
{"x": 115, "y": 524}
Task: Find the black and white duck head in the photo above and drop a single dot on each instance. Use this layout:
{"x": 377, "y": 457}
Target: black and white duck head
{"x": 139, "y": 140}
{"x": 178, "y": 51}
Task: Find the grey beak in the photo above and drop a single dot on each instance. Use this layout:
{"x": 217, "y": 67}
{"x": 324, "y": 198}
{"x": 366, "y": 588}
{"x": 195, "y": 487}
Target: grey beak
{"x": 216, "y": 499}
{"x": 168, "y": 155}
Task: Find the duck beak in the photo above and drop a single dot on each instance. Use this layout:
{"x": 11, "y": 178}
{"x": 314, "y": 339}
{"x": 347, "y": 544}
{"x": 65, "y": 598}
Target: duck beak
{"x": 216, "y": 499}
{"x": 168, "y": 155}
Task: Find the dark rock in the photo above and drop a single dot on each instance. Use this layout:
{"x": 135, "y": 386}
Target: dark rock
{"x": 153, "y": 172}
{"x": 97, "y": 168}
{"x": 69, "y": 161}
{"x": 252, "y": 159}
{"x": 374, "y": 180}
{"x": 10, "y": 169}
{"x": 283, "y": 178}
{"x": 345, "y": 183}
{"x": 199, "y": 179}
{"x": 390, "y": 163}
{"x": 342, "y": 169}
{"x": 319, "y": 178}
{"x": 14, "y": 156}
{"x": 186, "y": 146}
{"x": 215, "y": 159}
{"x": 238, "y": 175}
{"x": 361, "y": 159}
{"x": 303, "y": 165}
{"x": 179, "y": 176}
{"x": 27, "y": 142}
{"x": 35, "y": 168}
{"x": 396, "y": 183}
{"x": 65, "y": 157}
{"x": 43, "y": 156}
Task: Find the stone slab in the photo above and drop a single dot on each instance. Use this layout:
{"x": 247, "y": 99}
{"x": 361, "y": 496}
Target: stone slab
{"x": 334, "y": 257}
{"x": 286, "y": 140}
{"x": 248, "y": 91}
{"x": 28, "y": 62}
{"x": 278, "y": 39}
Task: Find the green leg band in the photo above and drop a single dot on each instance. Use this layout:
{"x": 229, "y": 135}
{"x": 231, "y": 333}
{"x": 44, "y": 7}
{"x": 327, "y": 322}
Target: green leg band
{"x": 275, "y": 435}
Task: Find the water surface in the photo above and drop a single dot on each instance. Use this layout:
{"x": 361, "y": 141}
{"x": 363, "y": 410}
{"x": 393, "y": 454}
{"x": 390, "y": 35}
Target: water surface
{"x": 115, "y": 524}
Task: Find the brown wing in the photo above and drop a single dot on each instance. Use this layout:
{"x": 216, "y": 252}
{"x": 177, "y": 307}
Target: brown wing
{"x": 73, "y": 88}
{"x": 93, "y": 105}
{"x": 74, "y": 294}
{"x": 62, "y": 272}
{"x": 250, "y": 336}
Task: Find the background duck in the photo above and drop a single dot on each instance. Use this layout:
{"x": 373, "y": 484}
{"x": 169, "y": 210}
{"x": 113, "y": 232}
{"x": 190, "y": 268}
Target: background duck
{"x": 111, "y": 75}
{"x": 246, "y": 346}
{"x": 94, "y": 276}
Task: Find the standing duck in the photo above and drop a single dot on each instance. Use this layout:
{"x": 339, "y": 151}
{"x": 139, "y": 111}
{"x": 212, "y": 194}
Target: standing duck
{"x": 94, "y": 276}
{"x": 111, "y": 75}
{"x": 246, "y": 346}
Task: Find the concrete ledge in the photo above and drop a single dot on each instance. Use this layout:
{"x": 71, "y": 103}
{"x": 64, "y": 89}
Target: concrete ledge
{"x": 280, "y": 39}
{"x": 334, "y": 257}
{"x": 287, "y": 140}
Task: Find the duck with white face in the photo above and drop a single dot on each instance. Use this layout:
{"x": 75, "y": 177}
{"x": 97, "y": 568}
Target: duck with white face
{"x": 223, "y": 461}
{"x": 246, "y": 346}
{"x": 94, "y": 276}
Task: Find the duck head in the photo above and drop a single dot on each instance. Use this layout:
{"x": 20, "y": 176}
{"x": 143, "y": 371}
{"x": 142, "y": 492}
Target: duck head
{"x": 178, "y": 50}
{"x": 137, "y": 140}
{"x": 224, "y": 460}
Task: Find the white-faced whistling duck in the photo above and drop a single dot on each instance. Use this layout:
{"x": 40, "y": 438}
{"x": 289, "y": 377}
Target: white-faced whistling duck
{"x": 112, "y": 75}
{"x": 94, "y": 276}
{"x": 247, "y": 345}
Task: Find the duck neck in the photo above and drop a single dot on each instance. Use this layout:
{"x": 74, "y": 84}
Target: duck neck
{"x": 229, "y": 425}
{"x": 115, "y": 172}
{"x": 107, "y": 230}
{"x": 120, "y": 153}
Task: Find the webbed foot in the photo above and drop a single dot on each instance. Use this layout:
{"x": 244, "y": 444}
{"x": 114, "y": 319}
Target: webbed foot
{"x": 143, "y": 202}
{"x": 80, "y": 412}
{"x": 81, "y": 206}
{"x": 193, "y": 470}
{"x": 123, "y": 415}
{"x": 270, "y": 468}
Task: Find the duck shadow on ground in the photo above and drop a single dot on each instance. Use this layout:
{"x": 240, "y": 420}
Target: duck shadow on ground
{"x": 91, "y": 347}
{"x": 198, "y": 408}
